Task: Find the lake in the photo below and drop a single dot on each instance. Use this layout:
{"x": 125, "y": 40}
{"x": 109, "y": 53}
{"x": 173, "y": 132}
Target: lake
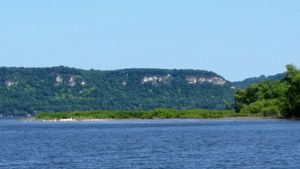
{"x": 153, "y": 144}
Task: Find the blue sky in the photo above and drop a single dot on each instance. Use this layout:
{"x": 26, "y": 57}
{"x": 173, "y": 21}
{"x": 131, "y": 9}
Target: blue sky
{"x": 235, "y": 38}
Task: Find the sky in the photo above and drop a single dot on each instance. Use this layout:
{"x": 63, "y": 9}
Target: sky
{"x": 234, "y": 38}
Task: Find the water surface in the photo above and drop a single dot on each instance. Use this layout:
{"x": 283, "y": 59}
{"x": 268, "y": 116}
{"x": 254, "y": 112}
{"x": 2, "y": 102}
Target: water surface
{"x": 178, "y": 144}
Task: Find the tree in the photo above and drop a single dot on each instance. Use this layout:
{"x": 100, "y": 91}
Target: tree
{"x": 272, "y": 97}
{"x": 292, "y": 96}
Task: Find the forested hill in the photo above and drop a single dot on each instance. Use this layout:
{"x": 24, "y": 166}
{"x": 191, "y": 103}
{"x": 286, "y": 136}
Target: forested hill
{"x": 31, "y": 90}
{"x": 247, "y": 82}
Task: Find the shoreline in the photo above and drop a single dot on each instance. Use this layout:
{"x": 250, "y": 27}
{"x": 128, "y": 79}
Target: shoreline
{"x": 156, "y": 119}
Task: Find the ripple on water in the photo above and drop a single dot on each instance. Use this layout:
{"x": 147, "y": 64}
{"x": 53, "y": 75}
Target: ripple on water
{"x": 150, "y": 144}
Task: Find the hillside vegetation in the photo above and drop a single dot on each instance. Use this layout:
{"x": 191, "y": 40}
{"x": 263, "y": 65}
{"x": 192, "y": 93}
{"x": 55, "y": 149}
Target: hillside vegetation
{"x": 33, "y": 90}
{"x": 254, "y": 80}
{"x": 272, "y": 98}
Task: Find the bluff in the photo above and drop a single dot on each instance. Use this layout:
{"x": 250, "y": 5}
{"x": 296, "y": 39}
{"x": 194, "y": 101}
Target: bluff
{"x": 32, "y": 90}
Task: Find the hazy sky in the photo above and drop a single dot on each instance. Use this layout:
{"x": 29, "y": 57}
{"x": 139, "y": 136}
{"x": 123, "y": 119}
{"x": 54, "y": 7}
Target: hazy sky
{"x": 235, "y": 38}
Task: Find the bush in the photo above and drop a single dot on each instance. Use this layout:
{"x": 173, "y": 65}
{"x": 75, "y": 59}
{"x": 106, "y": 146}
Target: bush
{"x": 264, "y": 107}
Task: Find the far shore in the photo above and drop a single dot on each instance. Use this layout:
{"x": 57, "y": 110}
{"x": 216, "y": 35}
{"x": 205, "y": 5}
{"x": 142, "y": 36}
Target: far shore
{"x": 138, "y": 119}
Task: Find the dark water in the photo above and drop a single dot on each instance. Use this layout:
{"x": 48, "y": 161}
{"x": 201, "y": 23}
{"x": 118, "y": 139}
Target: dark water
{"x": 150, "y": 144}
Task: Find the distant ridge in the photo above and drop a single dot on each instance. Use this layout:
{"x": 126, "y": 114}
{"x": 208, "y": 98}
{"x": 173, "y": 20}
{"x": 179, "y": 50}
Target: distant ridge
{"x": 32, "y": 90}
{"x": 247, "y": 82}
{"x": 26, "y": 91}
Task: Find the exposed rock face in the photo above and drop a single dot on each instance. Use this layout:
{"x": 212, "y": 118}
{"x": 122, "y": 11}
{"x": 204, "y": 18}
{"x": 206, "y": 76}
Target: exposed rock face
{"x": 152, "y": 79}
{"x": 83, "y": 83}
{"x": 59, "y": 80}
{"x": 156, "y": 80}
{"x": 201, "y": 80}
{"x": 72, "y": 81}
{"x": 10, "y": 83}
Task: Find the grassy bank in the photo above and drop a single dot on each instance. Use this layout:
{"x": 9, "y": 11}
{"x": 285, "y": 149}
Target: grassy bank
{"x": 152, "y": 114}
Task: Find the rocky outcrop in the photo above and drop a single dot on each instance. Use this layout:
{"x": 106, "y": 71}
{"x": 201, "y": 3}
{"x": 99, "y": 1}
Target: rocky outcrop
{"x": 72, "y": 80}
{"x": 10, "y": 83}
{"x": 200, "y": 80}
{"x": 156, "y": 80}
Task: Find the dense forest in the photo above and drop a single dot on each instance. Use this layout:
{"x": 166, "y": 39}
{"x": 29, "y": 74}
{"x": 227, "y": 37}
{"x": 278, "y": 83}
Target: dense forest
{"x": 249, "y": 81}
{"x": 26, "y": 91}
{"x": 272, "y": 98}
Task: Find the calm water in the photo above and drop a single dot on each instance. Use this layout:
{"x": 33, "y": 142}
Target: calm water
{"x": 150, "y": 144}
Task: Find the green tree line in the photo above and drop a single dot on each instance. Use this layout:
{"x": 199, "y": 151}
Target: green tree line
{"x": 272, "y": 98}
{"x": 162, "y": 113}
